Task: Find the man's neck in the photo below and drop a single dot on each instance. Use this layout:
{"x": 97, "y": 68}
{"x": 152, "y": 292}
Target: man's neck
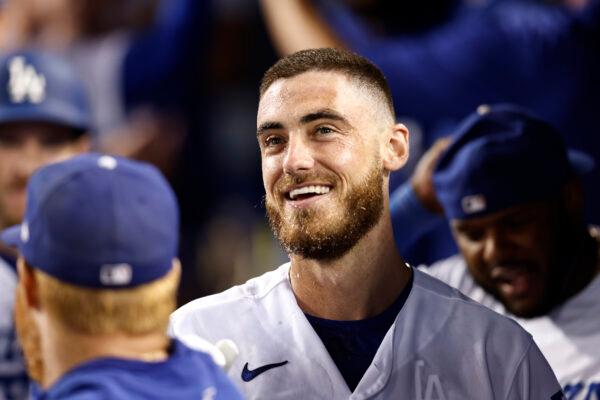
{"x": 361, "y": 284}
{"x": 65, "y": 350}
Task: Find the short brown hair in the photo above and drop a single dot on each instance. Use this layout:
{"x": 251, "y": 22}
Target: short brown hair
{"x": 329, "y": 59}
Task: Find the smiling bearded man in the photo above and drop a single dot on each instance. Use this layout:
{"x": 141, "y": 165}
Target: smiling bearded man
{"x": 344, "y": 318}
{"x": 303, "y": 231}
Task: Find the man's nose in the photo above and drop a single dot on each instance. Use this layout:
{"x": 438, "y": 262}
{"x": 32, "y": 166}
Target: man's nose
{"x": 496, "y": 248}
{"x": 298, "y": 156}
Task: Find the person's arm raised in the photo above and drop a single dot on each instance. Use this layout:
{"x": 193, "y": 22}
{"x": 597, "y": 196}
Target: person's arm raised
{"x": 296, "y": 25}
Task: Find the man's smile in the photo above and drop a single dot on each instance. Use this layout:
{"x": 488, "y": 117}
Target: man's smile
{"x": 514, "y": 281}
{"x": 305, "y": 194}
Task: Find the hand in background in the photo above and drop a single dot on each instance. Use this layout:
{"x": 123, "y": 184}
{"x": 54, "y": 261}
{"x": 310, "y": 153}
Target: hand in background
{"x": 422, "y": 178}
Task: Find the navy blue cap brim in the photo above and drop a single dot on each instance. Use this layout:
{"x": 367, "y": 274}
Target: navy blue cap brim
{"x": 61, "y": 116}
{"x": 581, "y": 162}
{"x": 12, "y": 236}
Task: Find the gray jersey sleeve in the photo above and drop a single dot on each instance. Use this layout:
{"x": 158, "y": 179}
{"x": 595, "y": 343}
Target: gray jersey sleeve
{"x": 534, "y": 379}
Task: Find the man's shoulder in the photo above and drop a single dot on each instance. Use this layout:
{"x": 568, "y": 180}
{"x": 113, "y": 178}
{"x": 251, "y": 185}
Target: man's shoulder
{"x": 442, "y": 299}
{"x": 229, "y": 304}
{"x": 254, "y": 288}
{"x": 186, "y": 374}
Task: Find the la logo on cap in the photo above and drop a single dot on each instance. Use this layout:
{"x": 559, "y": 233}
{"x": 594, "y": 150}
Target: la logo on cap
{"x": 25, "y": 82}
{"x": 474, "y": 203}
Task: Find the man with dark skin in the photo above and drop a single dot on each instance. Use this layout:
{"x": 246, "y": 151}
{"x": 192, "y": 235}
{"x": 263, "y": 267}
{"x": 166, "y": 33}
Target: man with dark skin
{"x": 515, "y": 206}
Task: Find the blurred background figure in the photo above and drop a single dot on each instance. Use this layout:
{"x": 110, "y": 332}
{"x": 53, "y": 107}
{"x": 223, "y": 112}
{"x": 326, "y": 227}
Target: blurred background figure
{"x": 173, "y": 82}
{"x": 98, "y": 279}
{"x": 541, "y": 55}
{"x": 163, "y": 91}
{"x": 512, "y": 195}
{"x": 44, "y": 118}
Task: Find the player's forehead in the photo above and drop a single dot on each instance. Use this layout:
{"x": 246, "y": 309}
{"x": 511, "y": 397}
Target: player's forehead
{"x": 291, "y": 98}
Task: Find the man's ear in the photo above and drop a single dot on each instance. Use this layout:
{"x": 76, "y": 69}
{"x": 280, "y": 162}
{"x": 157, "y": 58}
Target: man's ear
{"x": 395, "y": 152}
{"x": 176, "y": 265}
{"x": 28, "y": 283}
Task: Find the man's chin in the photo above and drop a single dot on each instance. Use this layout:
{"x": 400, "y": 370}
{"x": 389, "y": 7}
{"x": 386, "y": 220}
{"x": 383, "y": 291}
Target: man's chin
{"x": 525, "y": 308}
{"x": 314, "y": 238}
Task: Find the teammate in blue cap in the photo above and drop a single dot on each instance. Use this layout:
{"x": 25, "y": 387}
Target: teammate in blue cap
{"x": 44, "y": 117}
{"x": 346, "y": 318}
{"x": 510, "y": 190}
{"x": 98, "y": 278}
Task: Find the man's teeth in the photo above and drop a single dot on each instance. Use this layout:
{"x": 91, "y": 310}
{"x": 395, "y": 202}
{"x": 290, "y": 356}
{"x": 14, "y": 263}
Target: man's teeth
{"x": 308, "y": 190}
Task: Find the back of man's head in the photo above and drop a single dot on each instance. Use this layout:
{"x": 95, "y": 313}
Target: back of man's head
{"x": 101, "y": 235}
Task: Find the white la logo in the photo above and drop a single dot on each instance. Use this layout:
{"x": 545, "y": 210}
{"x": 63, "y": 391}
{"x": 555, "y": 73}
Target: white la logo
{"x": 433, "y": 384}
{"x": 25, "y": 82}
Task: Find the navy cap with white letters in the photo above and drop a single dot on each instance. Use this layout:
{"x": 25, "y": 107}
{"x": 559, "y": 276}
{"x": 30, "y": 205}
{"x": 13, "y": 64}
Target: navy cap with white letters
{"x": 99, "y": 221}
{"x": 503, "y": 156}
{"x": 41, "y": 86}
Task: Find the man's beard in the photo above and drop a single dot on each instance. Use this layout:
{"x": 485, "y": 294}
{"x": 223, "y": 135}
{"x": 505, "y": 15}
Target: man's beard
{"x": 310, "y": 234}
{"x": 29, "y": 338}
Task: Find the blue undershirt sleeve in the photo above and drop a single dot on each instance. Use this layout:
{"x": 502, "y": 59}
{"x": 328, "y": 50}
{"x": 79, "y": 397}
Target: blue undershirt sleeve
{"x": 410, "y": 219}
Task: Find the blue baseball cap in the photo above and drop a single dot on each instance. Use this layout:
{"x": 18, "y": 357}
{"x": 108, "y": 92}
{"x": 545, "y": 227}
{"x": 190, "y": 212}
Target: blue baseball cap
{"x": 99, "y": 221}
{"x": 503, "y": 156}
{"x": 38, "y": 86}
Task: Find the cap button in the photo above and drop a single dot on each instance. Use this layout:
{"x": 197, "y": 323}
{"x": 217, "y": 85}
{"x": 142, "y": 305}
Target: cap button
{"x": 107, "y": 162}
{"x": 483, "y": 109}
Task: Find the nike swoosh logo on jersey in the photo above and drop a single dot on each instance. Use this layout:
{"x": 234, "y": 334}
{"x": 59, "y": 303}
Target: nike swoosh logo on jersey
{"x": 558, "y": 396}
{"x": 249, "y": 374}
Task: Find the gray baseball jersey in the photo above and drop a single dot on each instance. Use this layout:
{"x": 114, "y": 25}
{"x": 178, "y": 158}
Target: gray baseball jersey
{"x": 441, "y": 346}
{"x": 569, "y": 336}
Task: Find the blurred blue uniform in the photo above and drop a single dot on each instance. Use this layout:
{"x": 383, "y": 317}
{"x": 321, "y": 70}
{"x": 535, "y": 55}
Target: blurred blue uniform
{"x": 13, "y": 377}
{"x": 543, "y": 57}
{"x": 185, "y": 375}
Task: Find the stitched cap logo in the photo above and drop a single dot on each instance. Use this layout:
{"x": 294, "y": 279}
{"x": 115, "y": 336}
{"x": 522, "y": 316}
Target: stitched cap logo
{"x": 474, "y": 203}
{"x": 107, "y": 162}
{"x": 116, "y": 274}
{"x": 25, "y": 82}
{"x": 24, "y": 232}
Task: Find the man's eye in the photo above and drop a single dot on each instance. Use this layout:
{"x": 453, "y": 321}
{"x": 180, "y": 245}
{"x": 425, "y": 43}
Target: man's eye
{"x": 324, "y": 130}
{"x": 472, "y": 235}
{"x": 273, "y": 141}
